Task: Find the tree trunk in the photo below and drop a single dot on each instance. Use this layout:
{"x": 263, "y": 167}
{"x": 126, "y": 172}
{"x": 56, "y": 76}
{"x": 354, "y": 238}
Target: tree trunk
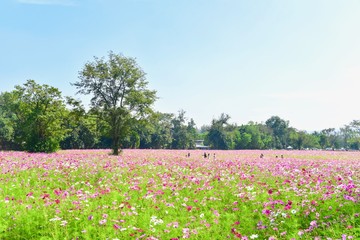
{"x": 114, "y": 133}
{"x": 116, "y": 145}
{"x": 115, "y": 151}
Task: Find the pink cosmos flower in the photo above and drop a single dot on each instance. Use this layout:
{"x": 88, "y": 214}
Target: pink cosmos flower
{"x": 186, "y": 233}
{"x": 260, "y": 225}
{"x": 287, "y": 207}
{"x": 65, "y": 194}
{"x": 57, "y": 192}
{"x": 266, "y": 212}
{"x": 175, "y": 225}
{"x": 45, "y": 195}
{"x": 29, "y": 194}
{"x": 313, "y": 223}
{"x": 236, "y": 234}
{"x": 350, "y": 198}
{"x": 135, "y": 187}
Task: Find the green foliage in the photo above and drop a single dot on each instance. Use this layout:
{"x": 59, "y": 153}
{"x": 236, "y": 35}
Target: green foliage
{"x": 183, "y": 135}
{"x": 254, "y": 136}
{"x": 351, "y": 135}
{"x": 37, "y": 113}
{"x": 329, "y": 138}
{"x": 8, "y": 118}
{"x": 155, "y": 131}
{"x": 6, "y": 129}
{"x": 82, "y": 127}
{"x": 7, "y": 121}
{"x": 161, "y": 137}
{"x": 218, "y": 136}
{"x": 119, "y": 89}
{"x": 279, "y": 129}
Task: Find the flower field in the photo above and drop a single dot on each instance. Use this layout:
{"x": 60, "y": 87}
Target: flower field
{"x": 166, "y": 194}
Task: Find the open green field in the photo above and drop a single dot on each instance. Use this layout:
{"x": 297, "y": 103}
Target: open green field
{"x": 164, "y": 194}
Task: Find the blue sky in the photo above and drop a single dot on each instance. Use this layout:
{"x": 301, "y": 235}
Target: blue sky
{"x": 254, "y": 59}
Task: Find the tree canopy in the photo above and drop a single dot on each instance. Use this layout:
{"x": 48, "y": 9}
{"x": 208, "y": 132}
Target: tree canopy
{"x": 119, "y": 91}
{"x": 37, "y": 113}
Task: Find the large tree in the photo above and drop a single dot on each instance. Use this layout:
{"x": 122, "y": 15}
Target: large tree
{"x": 36, "y": 113}
{"x": 218, "y": 137}
{"x": 279, "y": 128}
{"x": 183, "y": 136}
{"x": 119, "y": 90}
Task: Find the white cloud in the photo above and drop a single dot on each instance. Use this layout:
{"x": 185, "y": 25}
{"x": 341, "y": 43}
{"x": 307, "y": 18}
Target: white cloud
{"x": 49, "y": 2}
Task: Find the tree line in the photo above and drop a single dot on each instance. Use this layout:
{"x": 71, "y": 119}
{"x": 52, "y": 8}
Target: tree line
{"x": 37, "y": 118}
{"x": 276, "y": 133}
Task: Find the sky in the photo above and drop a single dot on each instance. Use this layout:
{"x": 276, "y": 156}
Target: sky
{"x": 251, "y": 59}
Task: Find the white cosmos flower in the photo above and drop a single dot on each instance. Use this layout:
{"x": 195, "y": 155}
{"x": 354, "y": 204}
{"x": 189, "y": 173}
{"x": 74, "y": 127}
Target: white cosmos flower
{"x": 56, "y": 218}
